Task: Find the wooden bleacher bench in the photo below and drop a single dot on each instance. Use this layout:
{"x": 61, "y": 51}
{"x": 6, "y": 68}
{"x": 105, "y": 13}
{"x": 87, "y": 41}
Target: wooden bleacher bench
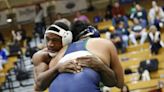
{"x": 7, "y": 67}
{"x": 143, "y": 54}
{"x": 132, "y": 48}
{"x": 136, "y": 85}
{"x": 2, "y": 78}
{"x": 131, "y": 77}
{"x": 157, "y": 74}
{"x": 134, "y": 63}
{"x": 135, "y": 76}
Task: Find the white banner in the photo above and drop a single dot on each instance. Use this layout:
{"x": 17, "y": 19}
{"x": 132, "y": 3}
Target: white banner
{"x": 25, "y": 13}
{"x": 3, "y": 17}
{"x": 61, "y": 6}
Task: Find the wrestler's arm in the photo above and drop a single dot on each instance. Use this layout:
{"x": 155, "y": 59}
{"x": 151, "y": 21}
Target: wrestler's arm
{"x": 116, "y": 66}
{"x": 108, "y": 76}
{"x": 42, "y": 74}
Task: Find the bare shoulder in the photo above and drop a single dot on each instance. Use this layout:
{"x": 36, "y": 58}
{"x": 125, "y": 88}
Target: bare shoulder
{"x": 101, "y": 41}
{"x": 39, "y": 56}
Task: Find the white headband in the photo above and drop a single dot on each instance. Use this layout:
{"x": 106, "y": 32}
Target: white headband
{"x": 60, "y": 33}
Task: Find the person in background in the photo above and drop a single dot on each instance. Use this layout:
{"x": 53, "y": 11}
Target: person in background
{"x": 141, "y": 15}
{"x": 98, "y": 18}
{"x": 155, "y": 39}
{"x": 39, "y": 21}
{"x": 3, "y": 56}
{"x": 137, "y": 30}
{"x": 22, "y": 33}
{"x": 59, "y": 18}
{"x": 16, "y": 36}
{"x": 124, "y": 33}
{"x": 81, "y": 17}
{"x": 2, "y": 40}
{"x": 108, "y": 11}
{"x": 132, "y": 10}
{"x": 118, "y": 14}
{"x": 156, "y": 15}
{"x": 116, "y": 38}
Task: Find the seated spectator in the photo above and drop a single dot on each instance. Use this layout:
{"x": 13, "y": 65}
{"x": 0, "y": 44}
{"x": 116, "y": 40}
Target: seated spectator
{"x": 39, "y": 21}
{"x": 145, "y": 76}
{"x": 155, "y": 40}
{"x": 98, "y": 18}
{"x": 118, "y": 14}
{"x": 137, "y": 30}
{"x": 156, "y": 15}
{"x": 59, "y": 18}
{"x": 108, "y": 11}
{"x": 116, "y": 38}
{"x": 141, "y": 15}
{"x": 81, "y": 17}
{"x": 132, "y": 10}
{"x": 3, "y": 56}
{"x": 124, "y": 33}
{"x": 2, "y": 40}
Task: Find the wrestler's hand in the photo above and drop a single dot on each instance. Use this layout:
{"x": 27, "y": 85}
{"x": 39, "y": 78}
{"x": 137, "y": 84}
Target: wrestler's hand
{"x": 70, "y": 67}
{"x": 91, "y": 62}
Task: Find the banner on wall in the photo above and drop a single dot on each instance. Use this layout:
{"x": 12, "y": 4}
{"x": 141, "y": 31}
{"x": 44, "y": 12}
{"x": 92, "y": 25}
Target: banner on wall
{"x": 3, "y": 17}
{"x": 25, "y": 13}
{"x": 68, "y": 6}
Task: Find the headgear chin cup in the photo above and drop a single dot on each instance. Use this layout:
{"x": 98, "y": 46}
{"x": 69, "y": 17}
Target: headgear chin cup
{"x": 66, "y": 35}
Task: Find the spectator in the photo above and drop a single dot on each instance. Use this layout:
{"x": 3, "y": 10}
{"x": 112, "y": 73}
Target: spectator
{"x": 98, "y": 18}
{"x": 116, "y": 38}
{"x": 22, "y": 32}
{"x": 145, "y": 76}
{"x": 3, "y": 56}
{"x": 59, "y": 18}
{"x": 141, "y": 15}
{"x": 39, "y": 21}
{"x": 2, "y": 40}
{"x": 132, "y": 10}
{"x": 137, "y": 30}
{"x": 108, "y": 12}
{"x": 156, "y": 15}
{"x": 81, "y": 17}
{"x": 155, "y": 40}
{"x": 123, "y": 32}
{"x": 16, "y": 36}
{"x": 118, "y": 14}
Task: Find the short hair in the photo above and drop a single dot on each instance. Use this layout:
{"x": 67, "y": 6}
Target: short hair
{"x": 76, "y": 28}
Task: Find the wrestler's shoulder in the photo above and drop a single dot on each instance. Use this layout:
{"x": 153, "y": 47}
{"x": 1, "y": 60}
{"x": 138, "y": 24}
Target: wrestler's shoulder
{"x": 39, "y": 55}
{"x": 100, "y": 41}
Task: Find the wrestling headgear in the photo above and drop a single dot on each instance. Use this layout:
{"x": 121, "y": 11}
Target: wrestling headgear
{"x": 65, "y": 34}
{"x": 90, "y": 31}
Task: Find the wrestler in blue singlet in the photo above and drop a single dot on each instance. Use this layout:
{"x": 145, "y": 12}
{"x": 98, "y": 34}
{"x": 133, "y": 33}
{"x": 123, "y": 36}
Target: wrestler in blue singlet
{"x": 85, "y": 81}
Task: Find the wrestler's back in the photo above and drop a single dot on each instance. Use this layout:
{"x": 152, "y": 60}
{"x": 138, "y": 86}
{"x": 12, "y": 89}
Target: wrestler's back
{"x": 88, "y": 79}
